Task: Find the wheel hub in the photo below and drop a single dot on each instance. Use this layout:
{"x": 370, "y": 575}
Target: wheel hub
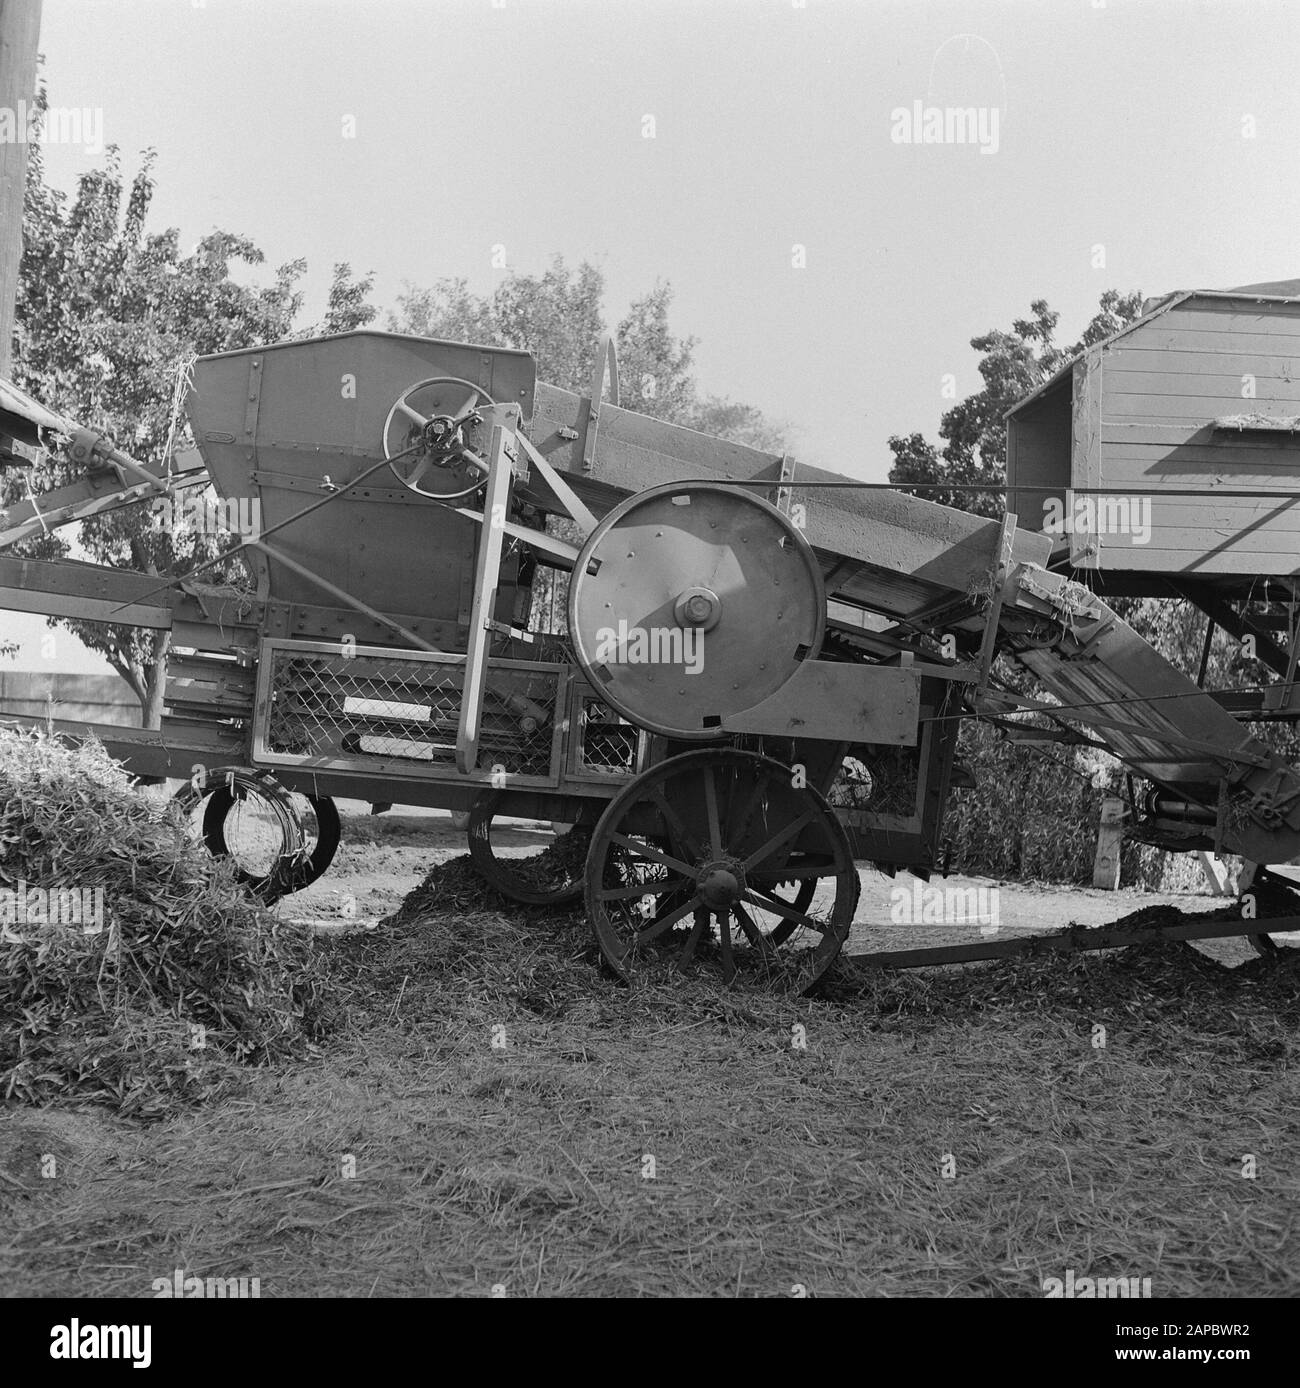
{"x": 698, "y": 607}
{"x": 439, "y": 431}
{"x": 721, "y": 883}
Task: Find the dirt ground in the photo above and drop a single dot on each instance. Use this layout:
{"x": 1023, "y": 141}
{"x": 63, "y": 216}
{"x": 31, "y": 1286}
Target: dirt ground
{"x": 492, "y": 1116}
{"x": 383, "y": 857}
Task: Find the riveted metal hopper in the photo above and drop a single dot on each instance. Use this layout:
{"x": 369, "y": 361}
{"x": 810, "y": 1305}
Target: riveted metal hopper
{"x": 289, "y": 425}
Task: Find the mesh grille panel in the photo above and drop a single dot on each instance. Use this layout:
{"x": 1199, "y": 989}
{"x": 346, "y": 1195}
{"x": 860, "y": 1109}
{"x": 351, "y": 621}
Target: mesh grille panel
{"x": 367, "y": 709}
{"x": 607, "y": 742}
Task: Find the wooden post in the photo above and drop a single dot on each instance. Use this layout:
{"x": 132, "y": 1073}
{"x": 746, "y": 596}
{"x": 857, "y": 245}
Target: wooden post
{"x": 1105, "y": 867}
{"x": 20, "y": 29}
{"x": 1217, "y": 874}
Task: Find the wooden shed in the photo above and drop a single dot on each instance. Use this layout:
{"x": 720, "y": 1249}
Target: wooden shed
{"x": 1172, "y": 447}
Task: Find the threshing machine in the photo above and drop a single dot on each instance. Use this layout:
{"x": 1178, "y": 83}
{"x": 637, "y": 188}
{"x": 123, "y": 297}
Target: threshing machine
{"x": 471, "y": 590}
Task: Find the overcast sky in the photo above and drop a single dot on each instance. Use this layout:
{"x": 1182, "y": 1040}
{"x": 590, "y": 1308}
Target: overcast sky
{"x": 1134, "y": 144}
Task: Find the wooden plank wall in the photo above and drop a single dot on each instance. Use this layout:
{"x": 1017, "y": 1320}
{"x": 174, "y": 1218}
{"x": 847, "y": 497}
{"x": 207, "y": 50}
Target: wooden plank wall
{"x": 1163, "y": 385}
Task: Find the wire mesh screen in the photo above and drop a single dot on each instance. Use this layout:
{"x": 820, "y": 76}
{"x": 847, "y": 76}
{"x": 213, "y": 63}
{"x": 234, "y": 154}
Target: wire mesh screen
{"x": 366, "y": 709}
{"x": 606, "y": 743}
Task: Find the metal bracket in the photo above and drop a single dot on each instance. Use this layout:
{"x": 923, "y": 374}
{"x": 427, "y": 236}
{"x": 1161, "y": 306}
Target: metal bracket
{"x": 487, "y": 574}
{"x": 254, "y": 400}
{"x": 566, "y": 553}
{"x": 783, "y": 493}
{"x": 988, "y": 646}
{"x": 15, "y": 453}
{"x": 564, "y": 493}
{"x": 514, "y": 633}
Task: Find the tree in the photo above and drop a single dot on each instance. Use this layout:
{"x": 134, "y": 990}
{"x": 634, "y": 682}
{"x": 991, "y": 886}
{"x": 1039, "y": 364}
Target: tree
{"x": 728, "y": 419}
{"x": 654, "y": 366}
{"x": 974, "y": 430}
{"x": 447, "y": 310}
{"x": 109, "y": 316}
{"x": 655, "y": 370}
{"x": 347, "y": 308}
{"x": 557, "y": 317}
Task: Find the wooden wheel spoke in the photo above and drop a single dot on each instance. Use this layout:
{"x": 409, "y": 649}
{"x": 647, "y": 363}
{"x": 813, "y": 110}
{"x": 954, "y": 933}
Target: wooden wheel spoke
{"x": 411, "y": 412}
{"x": 746, "y": 813}
{"x": 779, "y": 839}
{"x": 652, "y": 855}
{"x": 466, "y": 408}
{"x": 418, "y": 471}
{"x": 693, "y": 939}
{"x": 676, "y": 825}
{"x": 662, "y": 923}
{"x": 782, "y": 908}
{"x": 768, "y": 894}
{"x": 725, "y": 945}
{"x": 711, "y": 808}
{"x": 655, "y": 887}
{"x": 753, "y": 934}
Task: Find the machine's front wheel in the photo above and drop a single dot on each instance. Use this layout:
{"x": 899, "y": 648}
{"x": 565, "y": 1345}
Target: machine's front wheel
{"x": 721, "y": 860}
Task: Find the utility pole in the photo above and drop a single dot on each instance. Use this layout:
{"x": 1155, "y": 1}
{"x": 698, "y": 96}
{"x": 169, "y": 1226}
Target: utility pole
{"x": 20, "y": 30}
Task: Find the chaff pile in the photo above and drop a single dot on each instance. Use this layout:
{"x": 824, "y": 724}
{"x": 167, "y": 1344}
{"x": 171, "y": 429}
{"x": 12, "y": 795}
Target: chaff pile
{"x": 134, "y": 971}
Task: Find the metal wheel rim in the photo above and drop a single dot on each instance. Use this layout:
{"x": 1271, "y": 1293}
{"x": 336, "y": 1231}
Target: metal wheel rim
{"x": 498, "y": 872}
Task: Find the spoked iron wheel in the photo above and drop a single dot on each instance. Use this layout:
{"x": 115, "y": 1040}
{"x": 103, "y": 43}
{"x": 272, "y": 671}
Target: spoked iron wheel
{"x": 547, "y": 878}
{"x": 717, "y": 860}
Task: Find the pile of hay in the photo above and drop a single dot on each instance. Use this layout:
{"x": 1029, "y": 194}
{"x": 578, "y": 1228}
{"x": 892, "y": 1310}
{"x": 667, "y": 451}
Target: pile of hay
{"x": 458, "y": 883}
{"x": 457, "y": 946}
{"x": 454, "y": 937}
{"x": 172, "y": 978}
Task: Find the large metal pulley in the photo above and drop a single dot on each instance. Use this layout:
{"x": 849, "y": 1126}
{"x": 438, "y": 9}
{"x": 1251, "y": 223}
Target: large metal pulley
{"x": 693, "y": 602}
{"x": 434, "y": 438}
